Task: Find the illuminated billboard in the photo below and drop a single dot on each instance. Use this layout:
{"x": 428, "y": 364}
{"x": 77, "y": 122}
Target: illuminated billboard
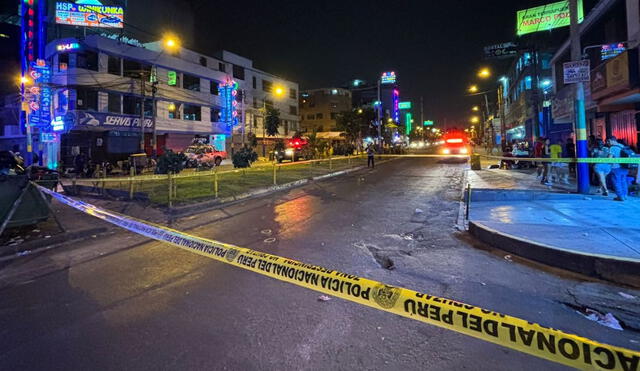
{"x": 89, "y": 15}
{"x": 546, "y": 17}
{"x": 388, "y": 78}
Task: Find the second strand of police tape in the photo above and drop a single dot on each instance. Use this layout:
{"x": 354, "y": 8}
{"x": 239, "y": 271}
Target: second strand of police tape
{"x": 508, "y": 331}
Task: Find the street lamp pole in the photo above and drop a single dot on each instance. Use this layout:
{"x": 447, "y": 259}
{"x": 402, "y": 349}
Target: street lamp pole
{"x": 582, "y": 168}
{"x": 379, "y": 110}
{"x": 142, "y": 93}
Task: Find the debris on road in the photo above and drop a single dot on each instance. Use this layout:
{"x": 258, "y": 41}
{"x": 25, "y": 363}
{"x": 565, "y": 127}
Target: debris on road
{"x": 604, "y": 319}
{"x": 266, "y": 232}
{"x": 323, "y": 298}
{"x": 419, "y": 211}
{"x": 626, "y": 296}
{"x": 508, "y": 258}
{"x": 270, "y": 240}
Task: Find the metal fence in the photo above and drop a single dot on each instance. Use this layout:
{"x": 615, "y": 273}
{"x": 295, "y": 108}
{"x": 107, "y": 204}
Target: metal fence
{"x": 168, "y": 189}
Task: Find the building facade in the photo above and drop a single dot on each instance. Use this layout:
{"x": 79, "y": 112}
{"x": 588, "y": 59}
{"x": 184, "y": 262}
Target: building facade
{"x": 319, "y": 108}
{"x": 98, "y": 92}
{"x": 609, "y": 37}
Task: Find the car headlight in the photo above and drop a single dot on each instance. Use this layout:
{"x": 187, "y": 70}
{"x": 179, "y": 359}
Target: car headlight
{"x": 288, "y": 152}
{"x": 446, "y": 151}
{"x": 463, "y": 151}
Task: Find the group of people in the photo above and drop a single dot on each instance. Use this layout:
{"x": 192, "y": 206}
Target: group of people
{"x": 605, "y": 175}
{"x": 612, "y": 173}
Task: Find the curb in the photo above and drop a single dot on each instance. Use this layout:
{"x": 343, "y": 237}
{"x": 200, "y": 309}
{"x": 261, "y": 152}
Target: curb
{"x": 612, "y": 269}
{"x": 42, "y": 244}
{"x": 207, "y": 205}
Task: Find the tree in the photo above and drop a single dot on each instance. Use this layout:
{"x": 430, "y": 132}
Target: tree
{"x": 355, "y": 124}
{"x": 252, "y": 139}
{"x": 272, "y": 121}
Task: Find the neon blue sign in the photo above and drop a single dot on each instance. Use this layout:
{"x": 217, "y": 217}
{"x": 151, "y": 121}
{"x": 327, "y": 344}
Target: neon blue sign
{"x": 228, "y": 92}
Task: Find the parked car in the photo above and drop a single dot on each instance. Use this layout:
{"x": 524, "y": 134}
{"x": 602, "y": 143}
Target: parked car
{"x": 204, "y": 155}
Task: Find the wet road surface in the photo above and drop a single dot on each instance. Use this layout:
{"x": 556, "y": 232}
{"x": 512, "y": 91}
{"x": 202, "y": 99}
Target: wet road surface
{"x": 153, "y": 306}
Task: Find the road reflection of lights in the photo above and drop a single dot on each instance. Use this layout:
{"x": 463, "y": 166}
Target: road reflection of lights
{"x": 292, "y": 215}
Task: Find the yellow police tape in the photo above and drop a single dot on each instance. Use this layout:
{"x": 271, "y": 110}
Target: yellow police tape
{"x": 588, "y": 160}
{"x": 510, "y": 332}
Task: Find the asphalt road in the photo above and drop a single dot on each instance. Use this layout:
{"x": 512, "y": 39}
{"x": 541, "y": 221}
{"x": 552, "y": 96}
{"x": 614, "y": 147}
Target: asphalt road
{"x": 121, "y": 302}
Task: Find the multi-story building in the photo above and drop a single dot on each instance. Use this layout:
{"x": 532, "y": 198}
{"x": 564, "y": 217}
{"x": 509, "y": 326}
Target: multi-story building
{"x": 319, "y": 108}
{"x": 98, "y": 84}
{"x": 610, "y": 38}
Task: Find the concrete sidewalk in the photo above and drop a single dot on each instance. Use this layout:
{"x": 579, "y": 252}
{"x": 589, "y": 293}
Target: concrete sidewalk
{"x": 590, "y": 234}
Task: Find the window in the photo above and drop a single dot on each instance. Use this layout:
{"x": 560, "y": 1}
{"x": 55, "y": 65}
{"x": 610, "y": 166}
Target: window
{"x": 87, "y": 60}
{"x": 286, "y": 127}
{"x": 318, "y": 116}
{"x": 267, "y": 86}
{"x": 190, "y": 82}
{"x": 334, "y": 115}
{"x": 130, "y": 105}
{"x": 215, "y": 114}
{"x": 254, "y": 82}
{"x": 114, "y": 66}
{"x": 173, "y": 78}
{"x": 131, "y": 68}
{"x": 293, "y": 110}
{"x": 87, "y": 99}
{"x": 527, "y": 82}
{"x": 222, "y": 67}
{"x": 293, "y": 94}
{"x": 213, "y": 87}
{"x": 174, "y": 110}
{"x": 238, "y": 72}
{"x": 113, "y": 103}
{"x": 63, "y": 62}
{"x": 203, "y": 61}
{"x": 192, "y": 113}
{"x": 148, "y": 108}
{"x": 311, "y": 117}
{"x": 255, "y": 102}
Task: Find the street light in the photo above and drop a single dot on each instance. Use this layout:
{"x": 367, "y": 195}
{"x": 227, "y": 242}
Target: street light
{"x": 484, "y": 73}
{"x": 473, "y": 89}
{"x": 474, "y": 119}
{"x": 170, "y": 42}
{"x": 475, "y": 108}
{"x": 278, "y": 91}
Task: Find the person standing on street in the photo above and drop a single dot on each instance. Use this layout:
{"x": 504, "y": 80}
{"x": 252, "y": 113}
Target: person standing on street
{"x": 619, "y": 172}
{"x": 370, "y": 156}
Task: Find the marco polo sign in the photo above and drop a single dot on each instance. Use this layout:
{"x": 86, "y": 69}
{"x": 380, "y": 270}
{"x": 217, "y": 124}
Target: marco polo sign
{"x": 546, "y": 17}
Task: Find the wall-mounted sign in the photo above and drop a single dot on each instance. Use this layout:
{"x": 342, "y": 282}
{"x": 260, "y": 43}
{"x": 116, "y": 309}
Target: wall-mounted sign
{"x": 89, "y": 15}
{"x": 404, "y": 105}
{"x": 609, "y": 51}
{"x": 396, "y": 109}
{"x": 57, "y": 124}
{"x": 546, "y": 17}
{"x": 100, "y": 119}
{"x": 498, "y": 51}
{"x": 67, "y": 46}
{"x": 228, "y": 92}
{"x": 428, "y": 123}
{"x": 407, "y": 123}
{"x": 40, "y": 93}
{"x": 388, "y": 78}
{"x": 575, "y": 72}
{"x": 172, "y": 78}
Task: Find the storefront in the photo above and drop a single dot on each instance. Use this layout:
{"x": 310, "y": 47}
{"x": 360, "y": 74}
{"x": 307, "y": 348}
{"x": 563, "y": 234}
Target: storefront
{"x": 615, "y": 87}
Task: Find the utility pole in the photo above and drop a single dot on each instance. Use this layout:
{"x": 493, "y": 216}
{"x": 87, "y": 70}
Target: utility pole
{"x": 582, "y": 168}
{"x": 142, "y": 93}
{"x": 503, "y": 121}
{"x": 421, "y": 124}
{"x": 379, "y": 119}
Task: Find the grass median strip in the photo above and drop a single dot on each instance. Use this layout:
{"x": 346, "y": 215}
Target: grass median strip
{"x": 232, "y": 183}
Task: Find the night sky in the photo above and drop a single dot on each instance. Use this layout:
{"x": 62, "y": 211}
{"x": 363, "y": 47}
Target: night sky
{"x": 434, "y": 46}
